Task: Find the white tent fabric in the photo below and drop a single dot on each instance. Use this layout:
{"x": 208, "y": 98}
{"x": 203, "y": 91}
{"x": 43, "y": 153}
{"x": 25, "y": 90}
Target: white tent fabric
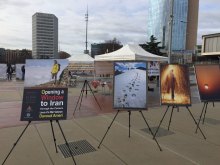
{"x": 130, "y": 52}
{"x": 81, "y": 65}
{"x": 81, "y": 58}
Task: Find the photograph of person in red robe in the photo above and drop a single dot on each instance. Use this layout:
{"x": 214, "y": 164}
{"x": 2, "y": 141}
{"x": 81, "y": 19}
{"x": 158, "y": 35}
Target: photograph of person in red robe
{"x": 174, "y": 84}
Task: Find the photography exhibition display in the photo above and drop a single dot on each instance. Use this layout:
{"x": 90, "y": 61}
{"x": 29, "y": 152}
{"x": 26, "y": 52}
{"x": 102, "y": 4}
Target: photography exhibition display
{"x": 174, "y": 85}
{"x": 208, "y": 80}
{"x": 45, "y": 90}
{"x": 130, "y": 84}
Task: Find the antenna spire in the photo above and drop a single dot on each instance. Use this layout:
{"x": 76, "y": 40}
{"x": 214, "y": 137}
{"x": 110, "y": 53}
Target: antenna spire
{"x": 87, "y": 20}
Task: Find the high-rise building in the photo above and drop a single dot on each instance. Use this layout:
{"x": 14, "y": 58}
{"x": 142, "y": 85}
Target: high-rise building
{"x": 185, "y": 23}
{"x": 44, "y": 36}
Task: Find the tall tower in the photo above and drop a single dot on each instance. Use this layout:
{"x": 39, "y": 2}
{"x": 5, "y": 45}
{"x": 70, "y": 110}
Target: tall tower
{"x": 192, "y": 24}
{"x": 185, "y": 23}
{"x": 44, "y": 36}
{"x": 86, "y": 19}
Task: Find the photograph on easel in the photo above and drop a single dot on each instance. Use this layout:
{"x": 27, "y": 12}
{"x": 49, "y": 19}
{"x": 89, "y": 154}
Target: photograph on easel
{"x": 208, "y": 80}
{"x": 130, "y": 82}
{"x": 174, "y": 85}
{"x": 46, "y": 73}
{"x": 45, "y": 90}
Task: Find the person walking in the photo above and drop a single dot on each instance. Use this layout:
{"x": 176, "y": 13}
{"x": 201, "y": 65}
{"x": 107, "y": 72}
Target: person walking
{"x": 23, "y": 71}
{"x": 9, "y": 71}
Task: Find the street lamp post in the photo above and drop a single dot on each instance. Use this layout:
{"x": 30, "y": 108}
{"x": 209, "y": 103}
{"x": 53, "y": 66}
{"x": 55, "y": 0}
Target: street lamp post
{"x": 170, "y": 32}
{"x": 185, "y": 22}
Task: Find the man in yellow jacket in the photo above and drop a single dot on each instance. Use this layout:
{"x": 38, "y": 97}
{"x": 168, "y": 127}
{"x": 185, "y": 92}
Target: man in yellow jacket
{"x": 55, "y": 70}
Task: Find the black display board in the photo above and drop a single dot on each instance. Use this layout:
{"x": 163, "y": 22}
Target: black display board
{"x": 44, "y": 104}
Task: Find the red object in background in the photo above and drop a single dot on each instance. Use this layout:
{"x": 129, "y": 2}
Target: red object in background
{"x": 95, "y": 83}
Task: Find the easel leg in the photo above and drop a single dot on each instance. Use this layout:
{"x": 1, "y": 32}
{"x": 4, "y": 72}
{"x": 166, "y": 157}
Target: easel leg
{"x": 170, "y": 118}
{"x": 160, "y": 123}
{"x": 129, "y": 124}
{"x": 108, "y": 129}
{"x": 94, "y": 96}
{"x": 80, "y": 97}
{"x": 205, "y": 113}
{"x": 80, "y": 103}
{"x": 86, "y": 82}
{"x": 66, "y": 141}
{"x": 203, "y": 108}
{"x": 16, "y": 142}
{"x": 196, "y": 123}
{"x": 54, "y": 139}
{"x": 150, "y": 130}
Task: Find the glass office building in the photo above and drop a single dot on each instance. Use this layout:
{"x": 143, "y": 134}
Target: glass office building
{"x": 157, "y": 22}
{"x": 159, "y": 18}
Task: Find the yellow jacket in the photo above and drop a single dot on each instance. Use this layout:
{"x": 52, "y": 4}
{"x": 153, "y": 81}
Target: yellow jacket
{"x": 55, "y": 68}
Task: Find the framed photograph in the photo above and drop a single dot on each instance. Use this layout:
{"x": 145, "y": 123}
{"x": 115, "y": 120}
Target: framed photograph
{"x": 46, "y": 73}
{"x": 20, "y": 71}
{"x": 3, "y": 71}
{"x": 208, "y": 80}
{"x": 130, "y": 85}
{"x": 174, "y": 85}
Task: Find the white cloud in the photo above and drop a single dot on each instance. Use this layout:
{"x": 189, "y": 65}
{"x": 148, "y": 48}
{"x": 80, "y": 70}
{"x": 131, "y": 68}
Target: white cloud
{"x": 124, "y": 19}
{"x": 209, "y": 18}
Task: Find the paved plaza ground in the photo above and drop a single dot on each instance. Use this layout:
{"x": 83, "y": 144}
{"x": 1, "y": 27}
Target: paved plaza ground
{"x": 180, "y": 145}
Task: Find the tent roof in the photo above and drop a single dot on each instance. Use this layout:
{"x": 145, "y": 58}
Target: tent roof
{"x": 130, "y": 52}
{"x": 81, "y": 58}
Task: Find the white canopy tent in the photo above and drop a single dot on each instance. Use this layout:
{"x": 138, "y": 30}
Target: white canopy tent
{"x": 130, "y": 52}
{"x": 82, "y": 65}
{"x": 83, "y": 58}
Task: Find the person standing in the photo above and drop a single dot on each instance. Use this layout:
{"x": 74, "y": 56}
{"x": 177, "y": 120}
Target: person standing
{"x": 171, "y": 84}
{"x": 54, "y": 71}
{"x": 9, "y": 71}
{"x": 23, "y": 71}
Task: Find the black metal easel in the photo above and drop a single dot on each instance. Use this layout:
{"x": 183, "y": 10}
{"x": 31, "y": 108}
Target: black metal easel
{"x": 204, "y": 109}
{"x": 29, "y": 122}
{"x": 171, "y": 119}
{"x": 85, "y": 89}
{"x": 129, "y": 120}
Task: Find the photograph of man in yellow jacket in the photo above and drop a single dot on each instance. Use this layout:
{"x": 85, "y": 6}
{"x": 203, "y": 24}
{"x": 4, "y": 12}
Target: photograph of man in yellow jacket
{"x": 54, "y": 71}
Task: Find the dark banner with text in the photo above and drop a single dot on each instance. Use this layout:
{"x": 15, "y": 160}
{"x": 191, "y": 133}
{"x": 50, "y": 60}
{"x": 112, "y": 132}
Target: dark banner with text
{"x": 44, "y": 104}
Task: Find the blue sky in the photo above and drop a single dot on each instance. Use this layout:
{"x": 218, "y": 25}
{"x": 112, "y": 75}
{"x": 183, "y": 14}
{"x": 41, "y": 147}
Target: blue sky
{"x": 124, "y": 19}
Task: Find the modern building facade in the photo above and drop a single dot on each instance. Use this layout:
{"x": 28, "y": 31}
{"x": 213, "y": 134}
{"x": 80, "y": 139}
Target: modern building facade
{"x": 14, "y": 56}
{"x": 185, "y": 23}
{"x": 211, "y": 45}
{"x": 44, "y": 36}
